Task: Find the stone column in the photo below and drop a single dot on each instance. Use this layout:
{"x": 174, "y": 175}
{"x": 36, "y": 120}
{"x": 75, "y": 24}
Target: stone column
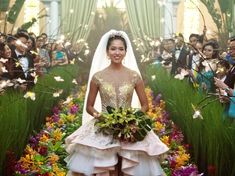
{"x": 53, "y": 21}
{"x": 170, "y": 18}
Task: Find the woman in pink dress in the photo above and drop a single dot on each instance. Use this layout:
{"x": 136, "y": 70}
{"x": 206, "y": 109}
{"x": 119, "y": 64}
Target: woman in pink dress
{"x": 114, "y": 81}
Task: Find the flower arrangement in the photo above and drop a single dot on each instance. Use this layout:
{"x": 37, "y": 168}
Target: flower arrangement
{"x": 177, "y": 162}
{"x": 45, "y": 153}
{"x": 126, "y": 125}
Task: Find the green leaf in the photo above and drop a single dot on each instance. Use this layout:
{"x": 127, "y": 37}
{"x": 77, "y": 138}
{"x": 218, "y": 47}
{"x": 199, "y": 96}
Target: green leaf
{"x": 139, "y": 113}
{"x": 4, "y": 4}
{"x": 110, "y": 109}
{"x": 14, "y": 11}
{"x": 39, "y": 158}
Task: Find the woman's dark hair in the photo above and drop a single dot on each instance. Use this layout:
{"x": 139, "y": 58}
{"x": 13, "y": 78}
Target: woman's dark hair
{"x": 33, "y": 43}
{"x": 215, "y": 47}
{"x": 224, "y": 63}
{"x": 116, "y": 37}
{"x": 197, "y": 36}
{"x": 215, "y": 54}
{"x": 2, "y": 48}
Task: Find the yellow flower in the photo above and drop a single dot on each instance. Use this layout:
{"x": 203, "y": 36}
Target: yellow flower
{"x": 159, "y": 126}
{"x": 57, "y": 170}
{"x": 53, "y": 158}
{"x": 29, "y": 150}
{"x": 150, "y": 114}
{"x": 44, "y": 138}
{"x": 182, "y": 160}
{"x": 165, "y": 140}
{"x": 181, "y": 149}
{"x": 27, "y": 161}
{"x": 57, "y": 135}
{"x": 51, "y": 125}
{"x": 70, "y": 117}
{"x": 61, "y": 173}
{"x": 60, "y": 122}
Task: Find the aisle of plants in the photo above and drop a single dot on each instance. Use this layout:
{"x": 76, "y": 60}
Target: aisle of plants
{"x": 44, "y": 155}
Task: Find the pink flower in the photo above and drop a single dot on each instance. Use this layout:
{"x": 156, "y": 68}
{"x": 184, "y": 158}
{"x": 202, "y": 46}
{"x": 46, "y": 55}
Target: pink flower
{"x": 74, "y": 109}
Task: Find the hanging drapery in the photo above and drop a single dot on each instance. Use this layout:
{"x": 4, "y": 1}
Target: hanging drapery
{"x": 144, "y": 19}
{"x": 77, "y": 18}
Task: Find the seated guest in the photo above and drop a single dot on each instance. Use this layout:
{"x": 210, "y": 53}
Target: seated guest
{"x": 58, "y": 55}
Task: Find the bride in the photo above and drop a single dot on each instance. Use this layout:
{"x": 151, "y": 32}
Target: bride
{"x": 114, "y": 81}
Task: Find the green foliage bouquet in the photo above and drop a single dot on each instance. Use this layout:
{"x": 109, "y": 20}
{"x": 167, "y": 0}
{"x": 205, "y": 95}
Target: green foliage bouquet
{"x": 126, "y": 125}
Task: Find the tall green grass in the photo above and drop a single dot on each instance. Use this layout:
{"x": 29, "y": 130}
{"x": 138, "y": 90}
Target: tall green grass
{"x": 20, "y": 116}
{"x": 212, "y": 139}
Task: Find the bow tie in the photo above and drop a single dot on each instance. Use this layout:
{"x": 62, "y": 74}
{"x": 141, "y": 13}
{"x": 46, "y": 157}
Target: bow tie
{"x": 177, "y": 49}
{"x": 20, "y": 56}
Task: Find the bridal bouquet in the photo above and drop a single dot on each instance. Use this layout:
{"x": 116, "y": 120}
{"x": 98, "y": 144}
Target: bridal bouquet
{"x": 126, "y": 125}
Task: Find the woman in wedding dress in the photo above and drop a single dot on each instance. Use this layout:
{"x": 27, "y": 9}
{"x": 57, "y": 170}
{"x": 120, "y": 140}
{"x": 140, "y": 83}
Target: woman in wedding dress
{"x": 114, "y": 81}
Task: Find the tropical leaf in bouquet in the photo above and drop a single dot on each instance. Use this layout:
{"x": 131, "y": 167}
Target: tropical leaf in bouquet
{"x": 139, "y": 113}
{"x": 110, "y": 109}
{"x": 140, "y": 135}
{"x": 149, "y": 124}
{"x": 128, "y": 125}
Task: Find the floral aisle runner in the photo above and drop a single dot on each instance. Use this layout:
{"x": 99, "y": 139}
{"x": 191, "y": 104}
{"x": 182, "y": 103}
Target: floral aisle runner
{"x": 44, "y": 155}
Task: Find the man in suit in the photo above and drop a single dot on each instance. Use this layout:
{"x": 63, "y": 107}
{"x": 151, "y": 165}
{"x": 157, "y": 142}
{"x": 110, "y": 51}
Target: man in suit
{"x": 227, "y": 87}
{"x": 19, "y": 54}
{"x": 180, "y": 55}
{"x": 230, "y": 77}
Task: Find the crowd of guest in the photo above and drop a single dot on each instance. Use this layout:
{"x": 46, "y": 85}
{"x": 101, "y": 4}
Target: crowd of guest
{"x": 203, "y": 62}
{"x": 24, "y": 56}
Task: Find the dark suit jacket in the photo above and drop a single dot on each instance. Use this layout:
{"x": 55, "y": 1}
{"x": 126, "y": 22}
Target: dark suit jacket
{"x": 181, "y": 62}
{"x": 19, "y": 73}
{"x": 230, "y": 77}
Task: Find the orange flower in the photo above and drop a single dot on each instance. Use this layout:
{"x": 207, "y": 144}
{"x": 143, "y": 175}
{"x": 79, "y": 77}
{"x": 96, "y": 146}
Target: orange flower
{"x": 57, "y": 135}
{"x": 53, "y": 158}
{"x": 162, "y": 104}
{"x": 44, "y": 138}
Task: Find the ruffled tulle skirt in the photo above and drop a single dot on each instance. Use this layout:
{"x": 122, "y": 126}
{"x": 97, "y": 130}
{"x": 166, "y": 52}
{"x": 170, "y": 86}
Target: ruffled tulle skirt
{"x": 93, "y": 153}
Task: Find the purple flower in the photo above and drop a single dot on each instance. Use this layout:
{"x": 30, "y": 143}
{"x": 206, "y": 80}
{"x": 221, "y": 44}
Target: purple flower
{"x": 56, "y": 110}
{"x": 33, "y": 141}
{"x": 190, "y": 170}
{"x": 73, "y": 109}
{"x": 158, "y": 98}
{"x": 19, "y": 169}
{"x": 55, "y": 117}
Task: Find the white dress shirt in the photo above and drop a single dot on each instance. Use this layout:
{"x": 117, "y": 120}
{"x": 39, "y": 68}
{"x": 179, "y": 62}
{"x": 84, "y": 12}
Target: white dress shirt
{"x": 23, "y": 62}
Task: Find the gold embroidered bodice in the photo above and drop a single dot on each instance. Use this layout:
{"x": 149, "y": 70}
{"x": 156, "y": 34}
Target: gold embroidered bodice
{"x": 116, "y": 89}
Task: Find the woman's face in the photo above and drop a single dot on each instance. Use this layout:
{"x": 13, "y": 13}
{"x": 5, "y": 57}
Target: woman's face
{"x": 208, "y": 51}
{"x": 116, "y": 51}
{"x": 7, "y": 51}
{"x": 193, "y": 41}
{"x": 199, "y": 46}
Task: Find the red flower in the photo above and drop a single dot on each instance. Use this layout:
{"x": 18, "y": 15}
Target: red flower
{"x": 211, "y": 170}
{"x": 10, "y": 163}
{"x": 42, "y": 150}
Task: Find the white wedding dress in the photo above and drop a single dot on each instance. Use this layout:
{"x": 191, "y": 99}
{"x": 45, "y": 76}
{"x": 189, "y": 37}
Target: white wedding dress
{"x": 93, "y": 153}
